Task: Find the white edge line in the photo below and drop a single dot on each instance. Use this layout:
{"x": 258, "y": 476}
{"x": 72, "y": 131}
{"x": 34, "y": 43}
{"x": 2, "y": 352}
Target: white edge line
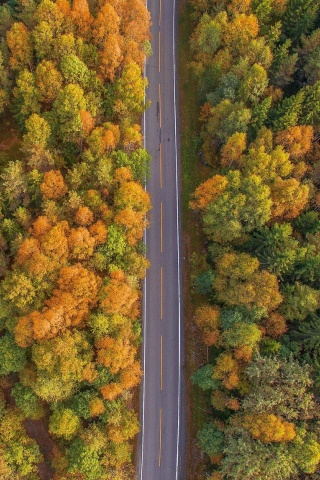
{"x": 178, "y": 231}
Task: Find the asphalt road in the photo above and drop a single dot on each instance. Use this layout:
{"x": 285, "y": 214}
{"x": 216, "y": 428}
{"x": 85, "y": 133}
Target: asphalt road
{"x": 161, "y": 446}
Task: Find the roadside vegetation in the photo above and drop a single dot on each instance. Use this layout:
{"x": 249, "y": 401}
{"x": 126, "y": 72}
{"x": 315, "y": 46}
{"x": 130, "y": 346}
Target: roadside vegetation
{"x": 72, "y": 215}
{"x": 257, "y": 66}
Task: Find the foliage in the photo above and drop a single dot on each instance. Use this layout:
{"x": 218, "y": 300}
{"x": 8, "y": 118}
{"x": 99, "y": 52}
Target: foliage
{"x": 257, "y": 67}
{"x": 72, "y": 216}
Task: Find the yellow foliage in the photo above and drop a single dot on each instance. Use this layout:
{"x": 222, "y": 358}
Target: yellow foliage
{"x": 269, "y": 428}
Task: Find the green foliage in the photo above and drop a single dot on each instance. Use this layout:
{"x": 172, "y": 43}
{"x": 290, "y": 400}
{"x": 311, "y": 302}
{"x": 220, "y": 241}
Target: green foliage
{"x": 299, "y": 301}
{"x": 244, "y": 206}
{"x": 84, "y": 459}
{"x": 204, "y": 378}
{"x": 306, "y": 451}
{"x": 300, "y": 17}
{"x": 27, "y": 401}
{"x": 276, "y": 248}
{"x": 308, "y": 334}
{"x": 211, "y": 439}
{"x": 241, "y": 334}
{"x": 64, "y": 423}
{"x": 13, "y": 358}
{"x": 257, "y": 66}
{"x": 203, "y": 283}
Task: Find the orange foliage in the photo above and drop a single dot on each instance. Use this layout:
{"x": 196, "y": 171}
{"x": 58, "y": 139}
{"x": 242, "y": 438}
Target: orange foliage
{"x": 269, "y": 428}
{"x": 19, "y": 43}
{"x": 208, "y": 320}
{"x": 81, "y": 243}
{"x": 215, "y": 476}
{"x": 64, "y": 7}
{"x": 208, "y": 192}
{"x": 133, "y": 222}
{"x": 53, "y": 185}
{"x": 131, "y": 138}
{"x": 41, "y": 226}
{"x": 111, "y": 391}
{"x": 106, "y": 23}
{"x": 233, "y": 404}
{"x": 289, "y": 198}
{"x": 77, "y": 292}
{"x": 96, "y": 407}
{"x": 87, "y": 122}
{"x": 119, "y": 297}
{"x": 115, "y": 353}
{"x": 243, "y": 353}
{"x": 216, "y": 459}
{"x": 130, "y": 377}
{"x": 240, "y": 31}
{"x": 81, "y": 16}
{"x": 132, "y": 194}
{"x": 84, "y": 216}
{"x": 110, "y": 57}
{"x": 227, "y": 370}
{"x": 98, "y": 231}
{"x": 122, "y": 174}
{"x": 54, "y": 243}
{"x": 296, "y": 140}
{"x": 275, "y": 325}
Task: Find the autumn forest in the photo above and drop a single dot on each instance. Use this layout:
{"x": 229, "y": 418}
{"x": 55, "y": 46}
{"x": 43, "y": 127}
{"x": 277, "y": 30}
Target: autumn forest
{"x": 257, "y": 65}
{"x": 73, "y": 210}
{"x": 72, "y": 216}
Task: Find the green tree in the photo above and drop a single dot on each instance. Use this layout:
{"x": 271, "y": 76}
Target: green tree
{"x": 13, "y": 358}
{"x": 211, "y": 439}
{"x": 75, "y": 71}
{"x": 27, "y": 401}
{"x": 306, "y": 451}
{"x": 251, "y": 459}
{"x": 276, "y": 248}
{"x": 64, "y": 423}
{"x": 308, "y": 334}
{"x": 240, "y": 282}
{"x": 299, "y": 301}
{"x": 66, "y": 113}
{"x": 244, "y": 206}
{"x": 299, "y": 18}
{"x": 280, "y": 387}
{"x": 241, "y": 334}
{"x": 287, "y": 112}
{"x": 27, "y": 95}
{"x": 204, "y": 378}
{"x": 284, "y": 65}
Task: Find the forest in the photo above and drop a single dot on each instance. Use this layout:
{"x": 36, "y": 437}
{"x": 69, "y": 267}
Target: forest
{"x": 257, "y": 67}
{"x": 72, "y": 215}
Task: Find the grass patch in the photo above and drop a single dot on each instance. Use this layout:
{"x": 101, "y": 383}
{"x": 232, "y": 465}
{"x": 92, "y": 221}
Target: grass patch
{"x": 194, "y": 251}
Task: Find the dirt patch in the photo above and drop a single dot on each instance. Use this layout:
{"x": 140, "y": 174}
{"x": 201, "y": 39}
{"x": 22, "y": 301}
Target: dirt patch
{"x": 194, "y": 251}
{"x": 10, "y": 139}
{"x": 38, "y": 431}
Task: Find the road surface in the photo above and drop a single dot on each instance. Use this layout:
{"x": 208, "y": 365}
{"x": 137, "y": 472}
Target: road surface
{"x": 161, "y": 446}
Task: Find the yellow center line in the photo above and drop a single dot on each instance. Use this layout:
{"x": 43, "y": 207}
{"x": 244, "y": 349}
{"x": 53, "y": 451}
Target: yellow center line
{"x": 159, "y": 51}
{"x": 161, "y": 228}
{"x": 161, "y": 293}
{"x": 160, "y": 437}
{"x": 160, "y": 13}
{"x": 160, "y": 113}
{"x": 160, "y": 165}
{"x": 161, "y": 364}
